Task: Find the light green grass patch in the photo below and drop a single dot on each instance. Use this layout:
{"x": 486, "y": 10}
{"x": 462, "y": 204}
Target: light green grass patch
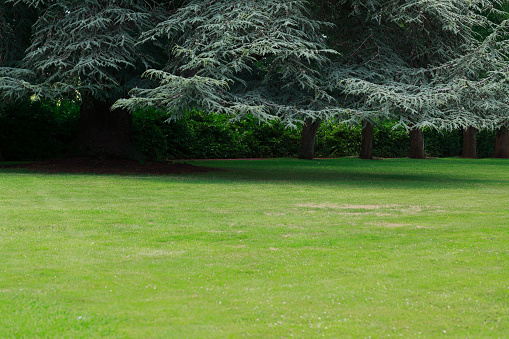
{"x": 270, "y": 248}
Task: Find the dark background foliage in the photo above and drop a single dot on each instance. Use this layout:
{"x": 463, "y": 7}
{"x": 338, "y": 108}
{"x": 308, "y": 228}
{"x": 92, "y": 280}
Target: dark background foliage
{"x": 37, "y": 130}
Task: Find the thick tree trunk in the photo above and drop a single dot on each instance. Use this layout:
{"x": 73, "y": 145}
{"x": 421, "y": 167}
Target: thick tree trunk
{"x": 309, "y": 130}
{"x": 469, "y": 143}
{"x": 417, "y": 144}
{"x": 367, "y": 140}
{"x": 502, "y": 143}
{"x": 104, "y": 133}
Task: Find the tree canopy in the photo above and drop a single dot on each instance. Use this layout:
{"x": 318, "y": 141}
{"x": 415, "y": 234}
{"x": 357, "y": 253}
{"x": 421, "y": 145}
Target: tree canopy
{"x": 260, "y": 58}
{"x": 84, "y": 47}
{"x": 438, "y": 63}
{"x": 414, "y": 61}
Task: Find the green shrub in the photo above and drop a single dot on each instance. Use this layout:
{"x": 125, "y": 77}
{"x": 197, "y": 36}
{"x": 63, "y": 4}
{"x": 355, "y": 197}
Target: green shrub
{"x": 337, "y": 140}
{"x": 149, "y": 133}
{"x": 442, "y": 143}
{"x": 390, "y": 142}
{"x": 200, "y": 136}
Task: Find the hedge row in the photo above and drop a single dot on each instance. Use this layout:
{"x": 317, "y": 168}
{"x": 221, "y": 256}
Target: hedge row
{"x": 209, "y": 136}
{"x": 35, "y": 131}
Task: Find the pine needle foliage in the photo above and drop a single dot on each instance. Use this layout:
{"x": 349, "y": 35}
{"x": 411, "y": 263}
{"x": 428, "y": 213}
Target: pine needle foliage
{"x": 242, "y": 57}
{"x": 84, "y": 48}
{"x": 420, "y": 62}
{"x": 434, "y": 63}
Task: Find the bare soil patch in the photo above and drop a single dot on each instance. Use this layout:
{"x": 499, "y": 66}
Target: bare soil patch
{"x": 358, "y": 207}
{"x": 111, "y": 166}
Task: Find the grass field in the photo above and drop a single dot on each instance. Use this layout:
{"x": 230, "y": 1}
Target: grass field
{"x": 267, "y": 249}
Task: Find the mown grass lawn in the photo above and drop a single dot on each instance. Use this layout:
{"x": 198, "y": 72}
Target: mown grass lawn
{"x": 272, "y": 248}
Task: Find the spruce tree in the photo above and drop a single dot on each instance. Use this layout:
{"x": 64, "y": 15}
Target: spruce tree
{"x": 88, "y": 50}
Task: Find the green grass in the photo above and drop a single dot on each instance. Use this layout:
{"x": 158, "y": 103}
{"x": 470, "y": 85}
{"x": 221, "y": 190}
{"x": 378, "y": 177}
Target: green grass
{"x": 272, "y": 248}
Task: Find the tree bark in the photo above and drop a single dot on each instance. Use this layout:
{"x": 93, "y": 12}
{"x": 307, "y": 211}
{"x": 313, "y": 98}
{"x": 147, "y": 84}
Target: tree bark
{"x": 309, "y": 130}
{"x": 104, "y": 133}
{"x": 417, "y": 144}
{"x": 502, "y": 143}
{"x": 367, "y": 140}
{"x": 469, "y": 143}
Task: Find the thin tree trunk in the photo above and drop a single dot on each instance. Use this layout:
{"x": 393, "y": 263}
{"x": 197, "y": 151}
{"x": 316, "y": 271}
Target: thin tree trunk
{"x": 502, "y": 143}
{"x": 469, "y": 143}
{"x": 309, "y": 130}
{"x": 417, "y": 144}
{"x": 104, "y": 133}
{"x": 1, "y": 156}
{"x": 367, "y": 140}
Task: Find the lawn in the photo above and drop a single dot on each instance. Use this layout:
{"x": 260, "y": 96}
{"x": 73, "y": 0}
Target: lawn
{"x": 268, "y": 248}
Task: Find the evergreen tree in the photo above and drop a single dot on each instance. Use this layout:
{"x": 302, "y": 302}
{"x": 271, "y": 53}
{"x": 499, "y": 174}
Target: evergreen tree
{"x": 88, "y": 50}
{"x": 408, "y": 60}
{"x": 241, "y": 58}
{"x": 420, "y": 62}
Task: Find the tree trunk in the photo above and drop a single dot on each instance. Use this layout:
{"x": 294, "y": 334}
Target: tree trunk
{"x": 104, "y": 133}
{"x": 417, "y": 144}
{"x": 367, "y": 140}
{"x": 309, "y": 130}
{"x": 469, "y": 143}
{"x": 502, "y": 143}
{"x": 1, "y": 156}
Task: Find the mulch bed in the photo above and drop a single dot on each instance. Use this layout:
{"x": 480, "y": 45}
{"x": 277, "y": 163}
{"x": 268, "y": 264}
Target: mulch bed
{"x": 112, "y": 166}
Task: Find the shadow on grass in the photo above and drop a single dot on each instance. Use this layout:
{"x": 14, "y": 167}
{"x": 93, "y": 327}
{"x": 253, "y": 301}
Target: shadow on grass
{"x": 390, "y": 173}
{"x": 401, "y": 173}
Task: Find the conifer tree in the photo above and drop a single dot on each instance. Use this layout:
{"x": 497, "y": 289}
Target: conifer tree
{"x": 88, "y": 50}
{"x": 407, "y": 60}
{"x": 404, "y": 60}
{"x": 420, "y": 62}
{"x": 241, "y": 57}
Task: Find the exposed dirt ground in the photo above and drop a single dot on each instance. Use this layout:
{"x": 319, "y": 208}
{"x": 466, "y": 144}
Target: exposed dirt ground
{"x": 113, "y": 166}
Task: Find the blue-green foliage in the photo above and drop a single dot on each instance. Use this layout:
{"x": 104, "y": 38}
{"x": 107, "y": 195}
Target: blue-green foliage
{"x": 35, "y": 130}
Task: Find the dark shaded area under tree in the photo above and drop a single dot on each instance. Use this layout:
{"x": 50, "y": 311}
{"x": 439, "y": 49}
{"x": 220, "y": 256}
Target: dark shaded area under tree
{"x": 110, "y": 166}
{"x": 103, "y": 132}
